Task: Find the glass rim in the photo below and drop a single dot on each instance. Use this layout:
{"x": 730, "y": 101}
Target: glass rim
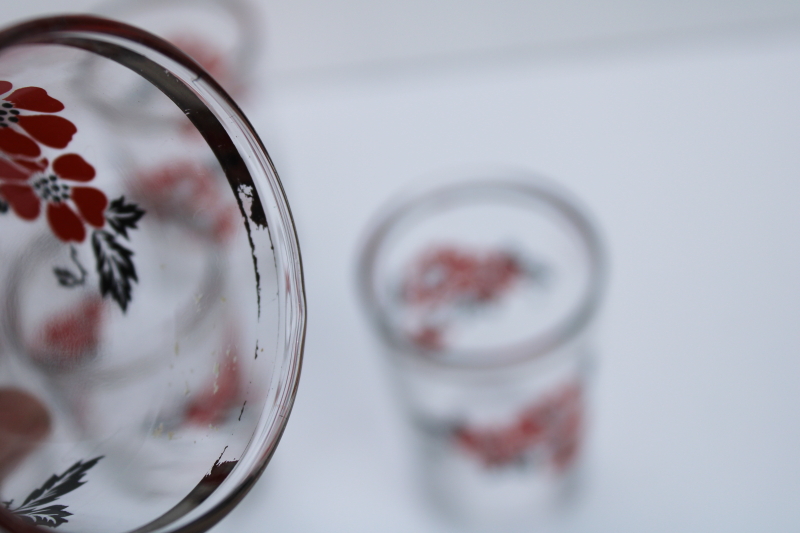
{"x": 117, "y": 41}
{"x": 532, "y": 349}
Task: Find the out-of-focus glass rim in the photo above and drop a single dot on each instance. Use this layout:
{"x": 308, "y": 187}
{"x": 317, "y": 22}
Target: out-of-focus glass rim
{"x": 113, "y": 40}
{"x": 417, "y": 204}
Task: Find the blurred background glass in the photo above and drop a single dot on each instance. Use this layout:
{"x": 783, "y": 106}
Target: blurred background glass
{"x": 482, "y": 294}
{"x": 677, "y": 123}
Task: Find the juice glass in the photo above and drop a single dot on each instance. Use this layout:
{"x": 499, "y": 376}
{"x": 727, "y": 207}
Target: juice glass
{"x": 482, "y": 293}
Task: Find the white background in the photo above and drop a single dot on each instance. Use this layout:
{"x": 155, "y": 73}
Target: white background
{"x": 677, "y": 123}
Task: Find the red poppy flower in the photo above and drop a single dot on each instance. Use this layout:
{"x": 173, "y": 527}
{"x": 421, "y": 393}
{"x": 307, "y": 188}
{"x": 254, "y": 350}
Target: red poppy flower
{"x": 25, "y": 184}
{"x": 50, "y": 130}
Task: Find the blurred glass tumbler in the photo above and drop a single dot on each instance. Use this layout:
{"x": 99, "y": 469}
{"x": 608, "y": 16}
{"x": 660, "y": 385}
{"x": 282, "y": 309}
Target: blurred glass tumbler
{"x": 223, "y": 36}
{"x": 482, "y": 293}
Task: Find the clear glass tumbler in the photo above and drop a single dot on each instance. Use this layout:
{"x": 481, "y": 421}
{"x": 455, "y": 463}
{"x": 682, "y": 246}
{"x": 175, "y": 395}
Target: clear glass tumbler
{"x": 482, "y": 293}
{"x": 152, "y": 310}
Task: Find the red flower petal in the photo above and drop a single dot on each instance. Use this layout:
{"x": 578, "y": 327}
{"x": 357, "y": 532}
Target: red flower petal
{"x": 15, "y": 143}
{"x": 65, "y": 223}
{"x": 23, "y": 200}
{"x": 91, "y": 204}
{"x": 41, "y": 164}
{"x": 54, "y": 131}
{"x": 34, "y": 99}
{"x": 73, "y": 167}
{"x": 5, "y": 86}
{"x": 10, "y": 171}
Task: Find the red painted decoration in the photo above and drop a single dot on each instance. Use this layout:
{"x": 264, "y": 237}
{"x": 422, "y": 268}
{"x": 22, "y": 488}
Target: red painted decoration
{"x": 551, "y": 428}
{"x": 448, "y": 275}
{"x": 446, "y": 280}
{"x": 73, "y": 167}
{"x": 186, "y": 190}
{"x": 71, "y": 337}
{"x": 27, "y": 181}
{"x": 15, "y": 144}
{"x": 22, "y": 199}
{"x": 14, "y": 172}
{"x": 54, "y": 189}
{"x": 50, "y": 130}
{"x": 215, "y": 401}
{"x": 33, "y": 99}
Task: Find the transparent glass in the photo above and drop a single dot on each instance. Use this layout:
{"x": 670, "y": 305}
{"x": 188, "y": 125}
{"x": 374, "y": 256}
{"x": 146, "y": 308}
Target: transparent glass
{"x": 151, "y": 289}
{"x": 482, "y": 293}
{"x": 224, "y": 37}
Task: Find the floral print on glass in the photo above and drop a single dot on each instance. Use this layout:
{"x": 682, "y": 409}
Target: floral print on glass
{"x": 547, "y": 430}
{"x": 446, "y": 283}
{"x": 32, "y": 184}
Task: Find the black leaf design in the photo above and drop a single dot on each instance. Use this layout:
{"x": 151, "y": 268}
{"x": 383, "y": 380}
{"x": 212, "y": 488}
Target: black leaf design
{"x": 115, "y": 267}
{"x": 32, "y": 509}
{"x": 52, "y": 516}
{"x": 122, "y": 216}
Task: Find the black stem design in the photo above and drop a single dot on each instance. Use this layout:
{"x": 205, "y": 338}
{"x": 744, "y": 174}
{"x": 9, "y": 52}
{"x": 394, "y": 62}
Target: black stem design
{"x": 65, "y": 277}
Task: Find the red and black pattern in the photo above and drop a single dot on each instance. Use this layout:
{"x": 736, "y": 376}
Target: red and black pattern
{"x": 31, "y": 184}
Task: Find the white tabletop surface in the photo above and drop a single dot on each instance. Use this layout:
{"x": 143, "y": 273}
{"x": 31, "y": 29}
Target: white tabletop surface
{"x": 687, "y": 151}
{"x": 689, "y": 156}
